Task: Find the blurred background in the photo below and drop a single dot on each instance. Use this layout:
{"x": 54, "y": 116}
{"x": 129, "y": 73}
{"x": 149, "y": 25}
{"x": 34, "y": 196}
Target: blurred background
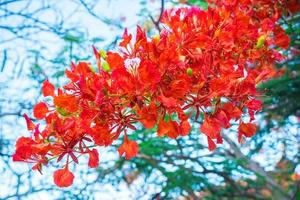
{"x": 39, "y": 39}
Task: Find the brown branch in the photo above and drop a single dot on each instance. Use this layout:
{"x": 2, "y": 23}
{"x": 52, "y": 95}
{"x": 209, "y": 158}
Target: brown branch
{"x": 4, "y": 60}
{"x": 157, "y": 22}
{"x": 18, "y": 195}
{"x": 8, "y": 2}
{"x": 254, "y": 166}
{"x": 11, "y": 114}
{"x": 154, "y": 162}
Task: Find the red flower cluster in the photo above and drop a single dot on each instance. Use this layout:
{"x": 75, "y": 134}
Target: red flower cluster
{"x": 203, "y": 63}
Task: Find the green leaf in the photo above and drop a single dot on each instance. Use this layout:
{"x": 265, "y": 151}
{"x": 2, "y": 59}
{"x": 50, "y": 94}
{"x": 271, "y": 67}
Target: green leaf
{"x": 105, "y": 66}
{"x": 75, "y": 37}
{"x": 59, "y": 74}
{"x": 97, "y": 39}
{"x": 200, "y": 3}
{"x": 61, "y": 111}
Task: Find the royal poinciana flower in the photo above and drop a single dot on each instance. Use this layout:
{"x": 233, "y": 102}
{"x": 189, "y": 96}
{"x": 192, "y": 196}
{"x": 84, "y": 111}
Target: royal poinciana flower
{"x": 203, "y": 63}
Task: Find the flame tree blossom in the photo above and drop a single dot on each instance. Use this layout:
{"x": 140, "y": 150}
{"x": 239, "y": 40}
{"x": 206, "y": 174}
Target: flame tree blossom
{"x": 202, "y": 63}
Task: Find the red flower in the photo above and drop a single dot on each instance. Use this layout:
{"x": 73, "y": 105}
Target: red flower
{"x": 40, "y": 110}
{"x": 63, "y": 177}
{"x": 211, "y": 127}
{"x": 94, "y": 158}
{"x": 149, "y": 75}
{"x": 23, "y": 149}
{"x": 130, "y": 148}
{"x": 222, "y": 118}
{"x": 195, "y": 64}
{"x": 101, "y": 135}
{"x": 67, "y": 102}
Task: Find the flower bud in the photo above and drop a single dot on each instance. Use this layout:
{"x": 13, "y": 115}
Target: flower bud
{"x": 105, "y": 66}
{"x": 189, "y": 71}
{"x": 156, "y": 37}
{"x": 260, "y": 41}
{"x": 102, "y": 53}
{"x": 61, "y": 111}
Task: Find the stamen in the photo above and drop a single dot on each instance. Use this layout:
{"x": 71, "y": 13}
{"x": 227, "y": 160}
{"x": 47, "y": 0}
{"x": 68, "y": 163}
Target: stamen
{"x": 132, "y": 65}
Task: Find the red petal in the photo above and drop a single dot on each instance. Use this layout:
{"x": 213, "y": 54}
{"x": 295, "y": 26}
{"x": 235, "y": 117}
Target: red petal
{"x": 163, "y": 128}
{"x": 29, "y": 123}
{"x": 148, "y": 116}
{"x": 254, "y": 105}
{"x": 222, "y": 118}
{"x": 211, "y": 145}
{"x": 185, "y": 128}
{"x": 48, "y": 88}
{"x": 98, "y": 59}
{"x": 281, "y": 39}
{"x": 63, "y": 177}
{"x": 114, "y": 60}
{"x": 74, "y": 158}
{"x": 219, "y": 139}
{"x": 40, "y": 110}
{"x": 23, "y": 149}
{"x": 93, "y": 159}
{"x": 169, "y": 128}
{"x": 168, "y": 102}
{"x": 38, "y": 167}
{"x": 210, "y": 127}
{"x": 68, "y": 102}
{"x": 126, "y": 38}
{"x": 149, "y": 74}
{"x": 99, "y": 97}
{"x": 24, "y": 141}
{"x": 231, "y": 111}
